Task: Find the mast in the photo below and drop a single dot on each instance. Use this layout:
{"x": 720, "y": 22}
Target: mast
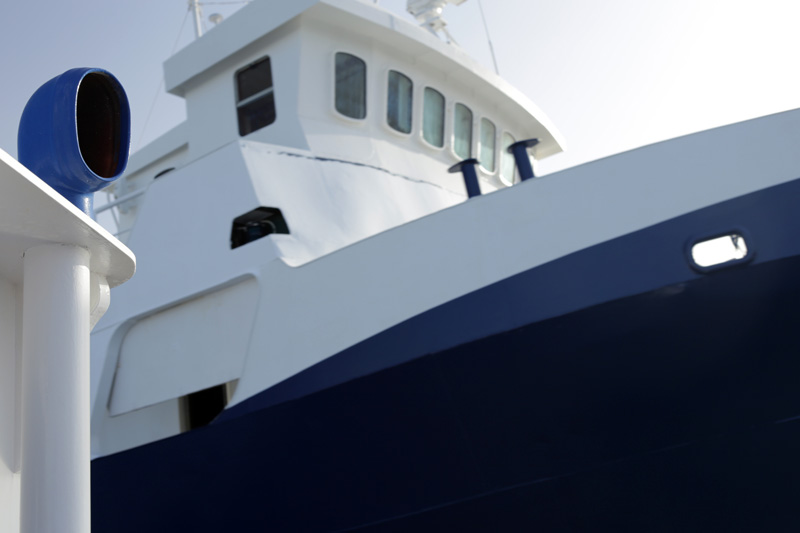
{"x": 194, "y": 5}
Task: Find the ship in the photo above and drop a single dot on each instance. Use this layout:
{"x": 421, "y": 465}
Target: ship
{"x": 357, "y": 308}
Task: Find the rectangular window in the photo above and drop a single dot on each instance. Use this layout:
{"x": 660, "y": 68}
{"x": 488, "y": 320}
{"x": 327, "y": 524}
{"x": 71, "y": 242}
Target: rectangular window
{"x": 433, "y": 117}
{"x": 255, "y": 100}
{"x": 462, "y": 131}
{"x": 351, "y": 86}
{"x": 399, "y": 102}
{"x": 507, "y": 167}
{"x": 486, "y": 157}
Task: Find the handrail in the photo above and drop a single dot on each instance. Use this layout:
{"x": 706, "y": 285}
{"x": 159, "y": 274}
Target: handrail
{"x": 120, "y": 200}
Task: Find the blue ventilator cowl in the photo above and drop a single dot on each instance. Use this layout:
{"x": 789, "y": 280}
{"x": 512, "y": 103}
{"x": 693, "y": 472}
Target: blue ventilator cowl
{"x": 75, "y": 134}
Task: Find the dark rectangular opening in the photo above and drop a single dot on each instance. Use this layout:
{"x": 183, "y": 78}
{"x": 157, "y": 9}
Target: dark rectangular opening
{"x": 255, "y": 224}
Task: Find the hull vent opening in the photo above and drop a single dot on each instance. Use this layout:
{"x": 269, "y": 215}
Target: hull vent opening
{"x": 256, "y": 224}
{"x": 202, "y": 407}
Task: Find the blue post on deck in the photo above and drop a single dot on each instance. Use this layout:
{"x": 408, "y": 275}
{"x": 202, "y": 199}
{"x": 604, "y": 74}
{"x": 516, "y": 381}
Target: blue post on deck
{"x": 520, "y": 151}
{"x": 467, "y": 168}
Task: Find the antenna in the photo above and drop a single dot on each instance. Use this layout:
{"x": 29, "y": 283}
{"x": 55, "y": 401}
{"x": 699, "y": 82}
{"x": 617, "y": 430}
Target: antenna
{"x": 429, "y": 15}
{"x": 488, "y": 38}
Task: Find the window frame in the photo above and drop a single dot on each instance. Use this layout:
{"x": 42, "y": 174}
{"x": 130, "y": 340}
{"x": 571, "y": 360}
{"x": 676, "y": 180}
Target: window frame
{"x": 502, "y": 152}
{"x": 479, "y": 145}
{"x": 456, "y": 103}
{"x": 332, "y": 92}
{"x": 445, "y": 117}
{"x": 385, "y": 118}
{"x": 264, "y": 93}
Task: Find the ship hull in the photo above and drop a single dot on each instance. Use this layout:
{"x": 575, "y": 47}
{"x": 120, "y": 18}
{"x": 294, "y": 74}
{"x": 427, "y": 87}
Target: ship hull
{"x": 615, "y": 389}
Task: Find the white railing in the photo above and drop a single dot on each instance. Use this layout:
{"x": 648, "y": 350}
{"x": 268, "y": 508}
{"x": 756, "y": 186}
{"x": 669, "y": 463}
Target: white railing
{"x": 121, "y": 200}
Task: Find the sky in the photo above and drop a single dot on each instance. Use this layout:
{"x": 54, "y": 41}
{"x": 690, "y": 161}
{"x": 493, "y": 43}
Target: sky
{"x": 612, "y": 75}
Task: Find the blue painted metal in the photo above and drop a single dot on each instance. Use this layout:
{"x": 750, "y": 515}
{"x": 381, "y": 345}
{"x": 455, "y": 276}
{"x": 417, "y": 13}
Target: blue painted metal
{"x": 520, "y": 151}
{"x": 618, "y": 389}
{"x": 615, "y": 418}
{"x": 75, "y": 133}
{"x": 467, "y": 169}
{"x": 640, "y": 262}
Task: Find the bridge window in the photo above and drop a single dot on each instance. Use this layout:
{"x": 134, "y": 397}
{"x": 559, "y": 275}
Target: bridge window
{"x": 255, "y": 101}
{"x": 351, "y": 86}
{"x": 462, "y": 131}
{"x": 507, "y": 166}
{"x": 486, "y": 157}
{"x": 433, "y": 117}
{"x": 399, "y": 102}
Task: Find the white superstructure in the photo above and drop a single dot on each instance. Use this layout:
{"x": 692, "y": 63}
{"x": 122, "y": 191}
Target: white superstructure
{"x": 335, "y": 120}
{"x": 329, "y": 125}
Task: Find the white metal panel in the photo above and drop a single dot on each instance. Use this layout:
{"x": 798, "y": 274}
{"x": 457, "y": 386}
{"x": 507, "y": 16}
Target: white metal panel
{"x": 186, "y": 348}
{"x": 9, "y": 470}
{"x": 55, "y": 389}
{"x": 242, "y": 28}
{"x": 32, "y": 212}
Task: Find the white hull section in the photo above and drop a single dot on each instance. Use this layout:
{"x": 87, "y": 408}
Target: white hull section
{"x": 313, "y": 301}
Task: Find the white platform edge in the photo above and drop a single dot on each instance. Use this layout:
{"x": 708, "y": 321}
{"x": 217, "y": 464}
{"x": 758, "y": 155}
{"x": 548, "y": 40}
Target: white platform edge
{"x": 32, "y": 213}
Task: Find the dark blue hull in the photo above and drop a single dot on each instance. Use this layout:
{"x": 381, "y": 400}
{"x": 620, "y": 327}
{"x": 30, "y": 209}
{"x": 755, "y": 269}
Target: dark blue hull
{"x": 614, "y": 389}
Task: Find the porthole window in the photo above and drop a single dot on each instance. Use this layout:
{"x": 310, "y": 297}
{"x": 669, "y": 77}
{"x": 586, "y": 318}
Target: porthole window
{"x": 351, "y": 86}
{"x": 719, "y": 251}
{"x": 462, "y": 131}
{"x": 433, "y": 117}
{"x": 255, "y": 100}
{"x": 507, "y": 166}
{"x": 399, "y": 101}
{"x": 486, "y": 157}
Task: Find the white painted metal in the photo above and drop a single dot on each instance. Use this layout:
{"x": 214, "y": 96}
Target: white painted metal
{"x": 300, "y": 38}
{"x": 429, "y": 14}
{"x": 119, "y": 200}
{"x": 99, "y": 299}
{"x": 9, "y": 404}
{"x": 55, "y": 385}
{"x": 56, "y": 267}
{"x": 166, "y": 355}
{"x": 377, "y": 225}
{"x": 197, "y": 12}
{"x": 397, "y": 274}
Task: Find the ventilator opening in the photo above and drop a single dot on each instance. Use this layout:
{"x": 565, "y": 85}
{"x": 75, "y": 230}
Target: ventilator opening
{"x": 98, "y": 122}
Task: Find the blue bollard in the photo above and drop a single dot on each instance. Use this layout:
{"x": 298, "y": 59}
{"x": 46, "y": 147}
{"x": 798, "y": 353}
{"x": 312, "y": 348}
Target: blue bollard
{"x": 520, "y": 151}
{"x": 467, "y": 168}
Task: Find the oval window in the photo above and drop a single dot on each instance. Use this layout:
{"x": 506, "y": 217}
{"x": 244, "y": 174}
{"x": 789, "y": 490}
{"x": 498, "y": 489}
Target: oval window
{"x": 719, "y": 250}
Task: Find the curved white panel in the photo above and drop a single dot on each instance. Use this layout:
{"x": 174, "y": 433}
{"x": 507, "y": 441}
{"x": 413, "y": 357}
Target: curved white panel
{"x": 186, "y": 348}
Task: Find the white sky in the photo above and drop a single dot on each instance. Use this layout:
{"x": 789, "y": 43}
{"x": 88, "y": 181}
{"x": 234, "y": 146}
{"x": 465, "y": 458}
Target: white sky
{"x": 611, "y": 74}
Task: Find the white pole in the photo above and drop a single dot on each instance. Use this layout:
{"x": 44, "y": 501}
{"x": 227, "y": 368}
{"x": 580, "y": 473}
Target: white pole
{"x": 55, "y": 473}
{"x": 194, "y": 5}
